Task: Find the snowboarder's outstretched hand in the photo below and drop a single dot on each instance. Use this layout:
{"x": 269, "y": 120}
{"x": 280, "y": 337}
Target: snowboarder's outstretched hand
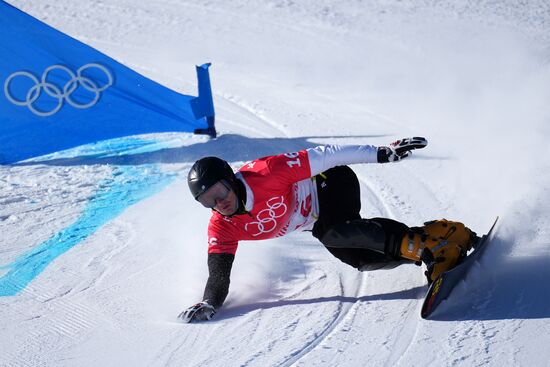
{"x": 400, "y": 149}
{"x": 202, "y": 311}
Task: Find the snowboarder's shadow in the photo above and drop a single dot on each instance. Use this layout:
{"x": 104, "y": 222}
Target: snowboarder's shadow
{"x": 235, "y": 311}
{"x": 231, "y": 147}
{"x": 515, "y": 289}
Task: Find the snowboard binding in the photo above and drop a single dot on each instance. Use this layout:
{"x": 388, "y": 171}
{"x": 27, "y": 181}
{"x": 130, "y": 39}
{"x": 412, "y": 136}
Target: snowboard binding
{"x": 440, "y": 244}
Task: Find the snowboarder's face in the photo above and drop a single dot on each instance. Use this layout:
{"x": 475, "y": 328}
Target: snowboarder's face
{"x": 221, "y": 198}
{"x": 229, "y": 205}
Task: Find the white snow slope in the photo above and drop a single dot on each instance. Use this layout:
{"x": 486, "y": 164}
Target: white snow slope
{"x": 471, "y": 76}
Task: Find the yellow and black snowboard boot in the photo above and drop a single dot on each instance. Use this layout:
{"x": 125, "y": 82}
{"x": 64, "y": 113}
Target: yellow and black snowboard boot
{"x": 440, "y": 244}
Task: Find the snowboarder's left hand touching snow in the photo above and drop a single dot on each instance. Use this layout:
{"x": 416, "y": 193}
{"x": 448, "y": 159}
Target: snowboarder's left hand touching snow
{"x": 400, "y": 149}
{"x": 201, "y": 311}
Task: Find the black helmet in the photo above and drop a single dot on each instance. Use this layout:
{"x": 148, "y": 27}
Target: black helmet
{"x": 206, "y": 172}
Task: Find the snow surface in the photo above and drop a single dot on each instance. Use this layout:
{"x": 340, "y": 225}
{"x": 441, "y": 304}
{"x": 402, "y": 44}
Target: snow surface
{"x": 120, "y": 245}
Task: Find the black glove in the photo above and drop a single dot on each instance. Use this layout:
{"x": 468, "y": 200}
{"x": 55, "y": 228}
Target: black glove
{"x": 400, "y": 149}
{"x": 202, "y": 311}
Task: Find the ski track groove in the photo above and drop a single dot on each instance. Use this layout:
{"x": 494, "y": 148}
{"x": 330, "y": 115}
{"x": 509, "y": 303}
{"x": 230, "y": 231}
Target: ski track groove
{"x": 167, "y": 352}
{"x": 399, "y": 349}
{"x": 341, "y": 314}
{"x": 241, "y": 112}
{"x": 382, "y": 206}
{"x": 304, "y": 289}
{"x": 172, "y": 351}
{"x": 251, "y": 112}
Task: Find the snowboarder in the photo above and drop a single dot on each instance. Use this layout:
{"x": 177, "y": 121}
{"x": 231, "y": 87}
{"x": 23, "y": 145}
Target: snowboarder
{"x": 312, "y": 189}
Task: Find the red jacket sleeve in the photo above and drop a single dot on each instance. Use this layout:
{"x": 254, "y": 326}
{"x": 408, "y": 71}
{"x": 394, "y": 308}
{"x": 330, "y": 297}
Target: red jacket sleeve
{"x": 221, "y": 237}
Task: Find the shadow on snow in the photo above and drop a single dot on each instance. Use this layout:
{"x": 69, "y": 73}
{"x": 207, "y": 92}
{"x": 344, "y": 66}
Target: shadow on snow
{"x": 231, "y": 147}
{"x": 412, "y": 293}
{"x": 501, "y": 287}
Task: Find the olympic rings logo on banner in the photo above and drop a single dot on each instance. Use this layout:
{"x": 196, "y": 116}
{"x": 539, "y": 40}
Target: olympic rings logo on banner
{"x": 62, "y": 94}
{"x": 266, "y": 218}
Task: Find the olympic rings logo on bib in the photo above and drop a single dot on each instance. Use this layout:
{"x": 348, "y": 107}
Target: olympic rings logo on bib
{"x": 62, "y": 94}
{"x": 266, "y": 223}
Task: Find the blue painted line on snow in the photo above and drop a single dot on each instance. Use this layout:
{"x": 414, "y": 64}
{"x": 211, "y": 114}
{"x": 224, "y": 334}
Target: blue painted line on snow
{"x": 129, "y": 185}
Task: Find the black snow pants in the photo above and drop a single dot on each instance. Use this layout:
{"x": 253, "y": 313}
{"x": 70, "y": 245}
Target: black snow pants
{"x": 365, "y": 244}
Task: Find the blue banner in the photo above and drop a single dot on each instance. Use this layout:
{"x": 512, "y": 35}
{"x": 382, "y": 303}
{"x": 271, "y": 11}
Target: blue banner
{"x": 58, "y": 93}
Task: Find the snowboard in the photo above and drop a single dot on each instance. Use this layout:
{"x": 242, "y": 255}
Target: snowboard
{"x": 442, "y": 287}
